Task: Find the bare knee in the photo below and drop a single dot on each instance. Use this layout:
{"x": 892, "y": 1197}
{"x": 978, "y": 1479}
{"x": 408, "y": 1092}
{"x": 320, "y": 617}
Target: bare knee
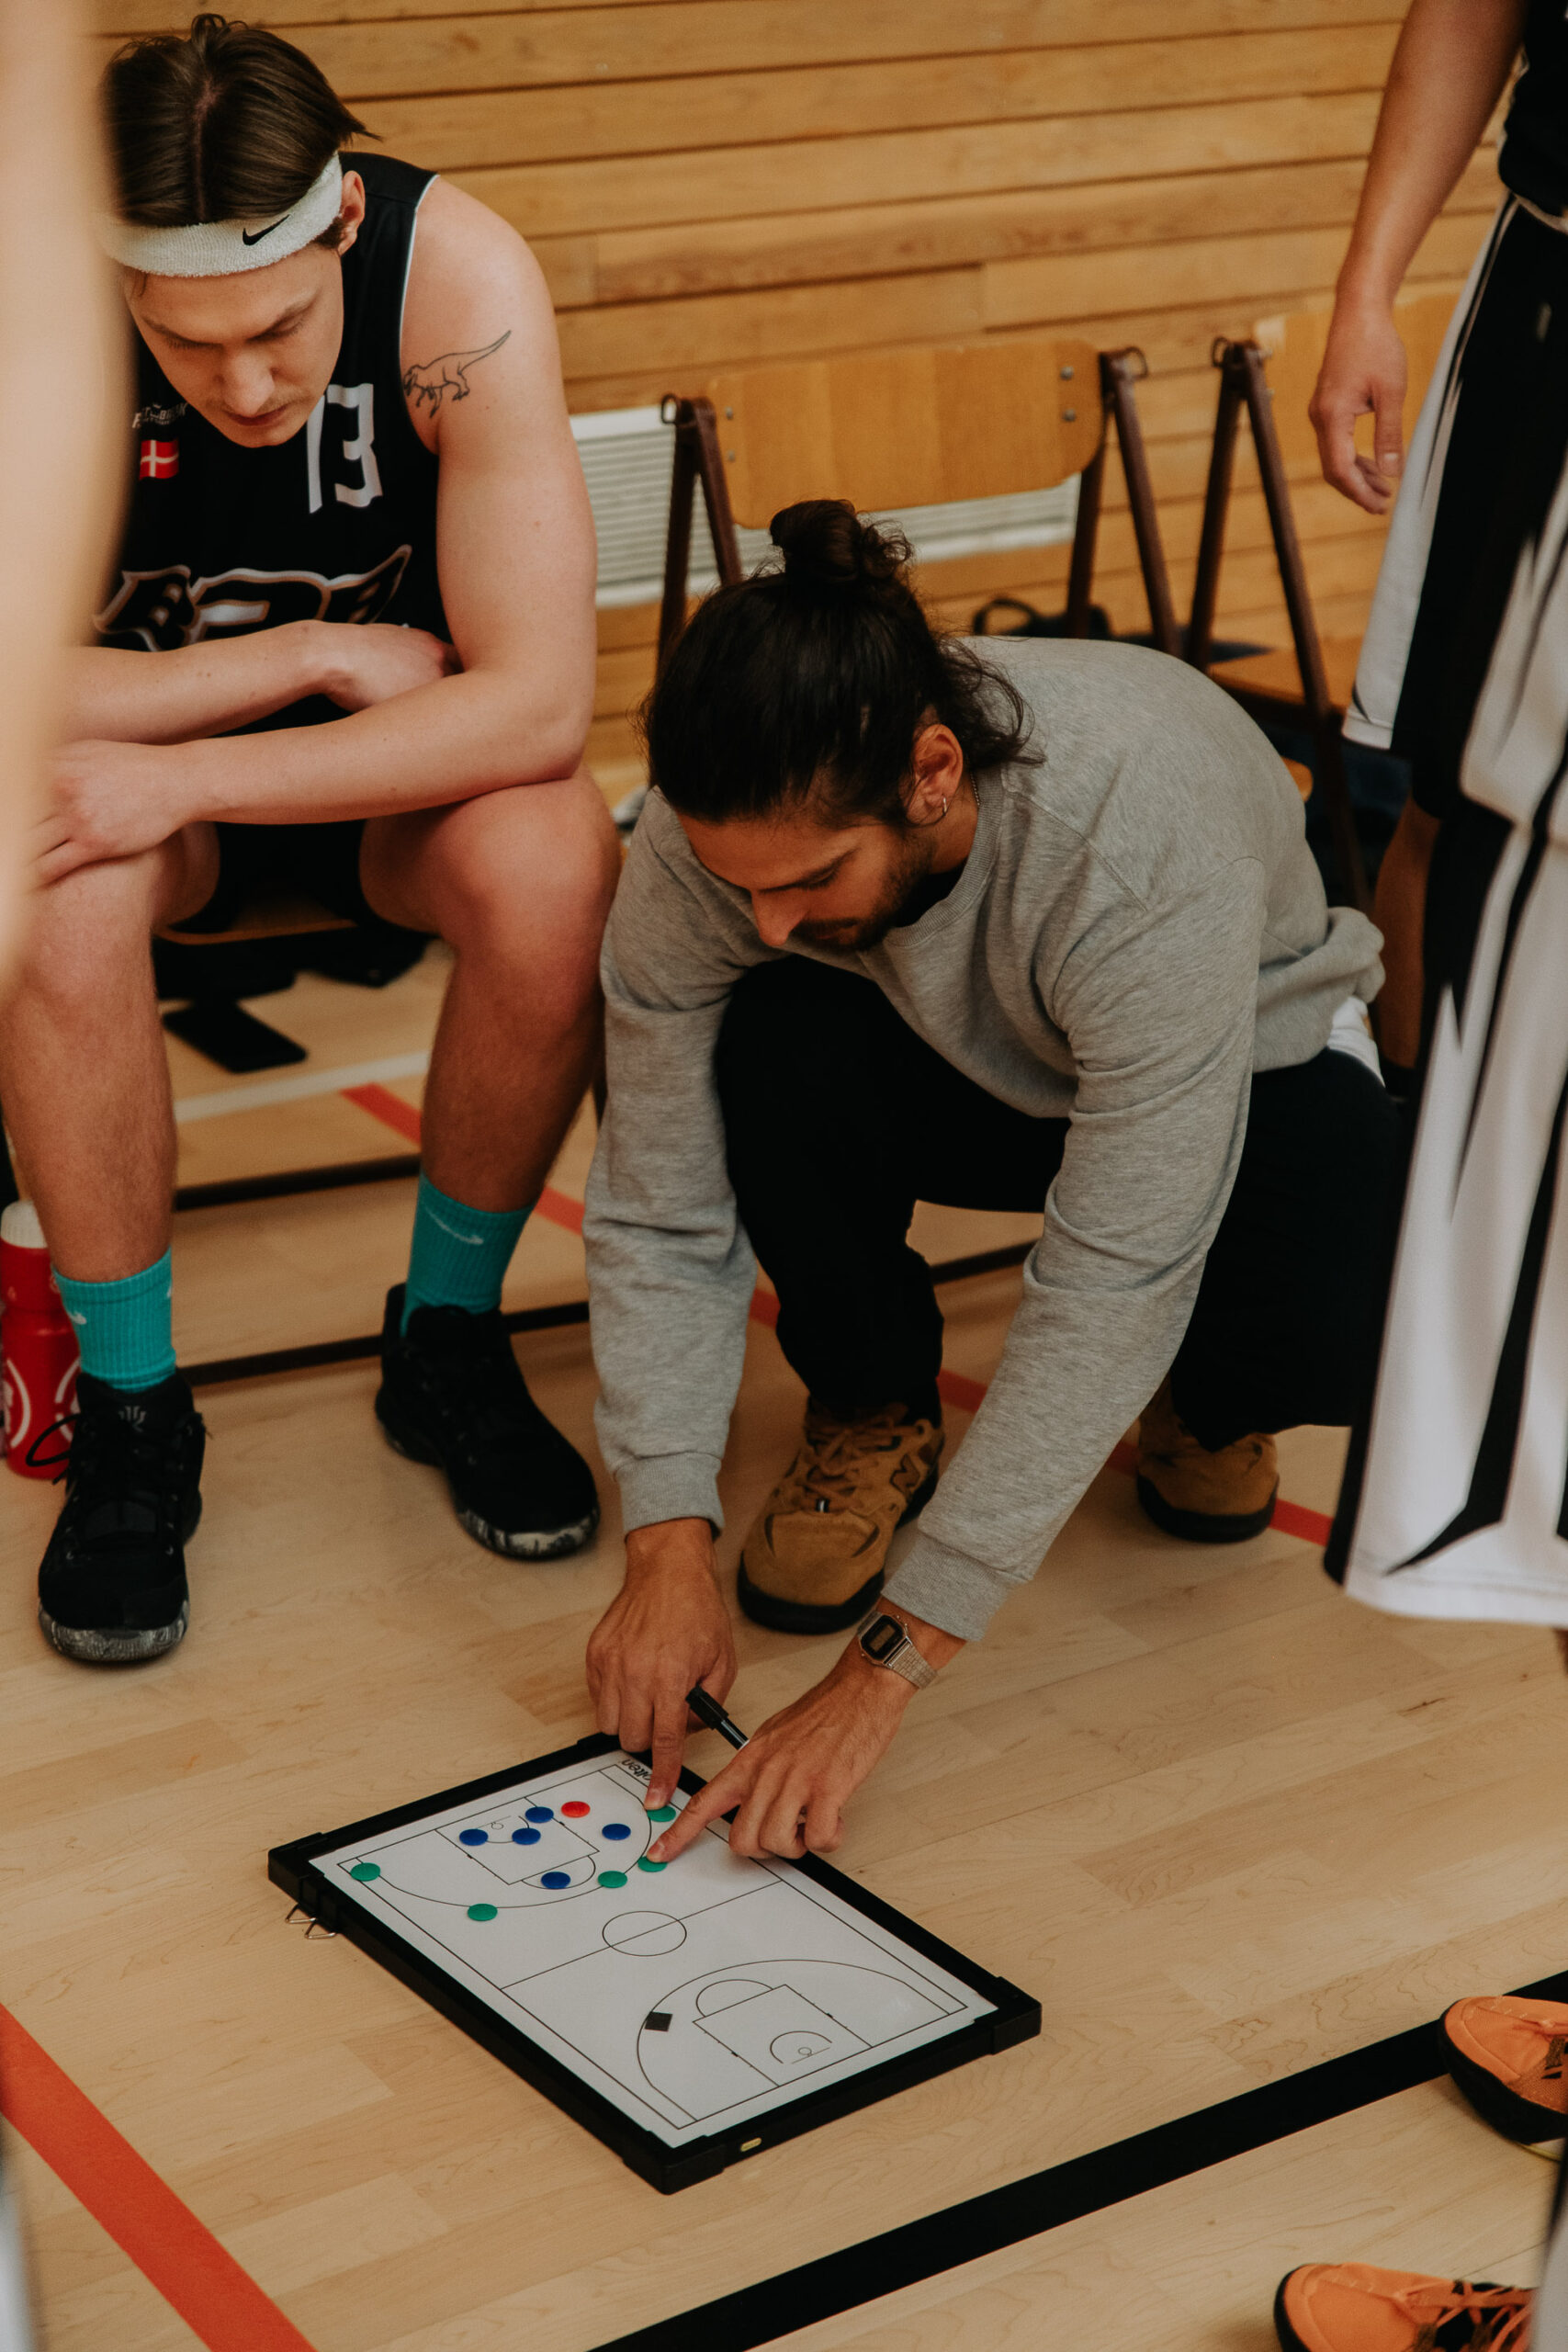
{"x": 86, "y": 935}
{"x": 529, "y": 873}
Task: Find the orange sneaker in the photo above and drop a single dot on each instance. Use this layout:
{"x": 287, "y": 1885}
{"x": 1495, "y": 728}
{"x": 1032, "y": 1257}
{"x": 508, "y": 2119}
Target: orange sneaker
{"x": 1506, "y": 2057}
{"x": 1351, "y": 2307}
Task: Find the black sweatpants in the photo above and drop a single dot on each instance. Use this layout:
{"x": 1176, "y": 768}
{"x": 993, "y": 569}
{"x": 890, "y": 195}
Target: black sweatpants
{"x": 838, "y": 1119}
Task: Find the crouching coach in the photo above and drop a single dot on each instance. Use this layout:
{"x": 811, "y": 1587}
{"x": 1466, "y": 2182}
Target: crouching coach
{"x": 904, "y": 923}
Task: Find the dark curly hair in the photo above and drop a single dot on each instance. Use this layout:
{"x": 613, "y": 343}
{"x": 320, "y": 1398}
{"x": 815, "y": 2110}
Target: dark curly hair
{"x": 224, "y": 122}
{"x": 814, "y": 676}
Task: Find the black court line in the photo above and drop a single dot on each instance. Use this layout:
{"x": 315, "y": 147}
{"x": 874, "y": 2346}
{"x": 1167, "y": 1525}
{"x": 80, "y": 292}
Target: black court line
{"x": 357, "y": 1351}
{"x": 269, "y": 1361}
{"x": 1024, "y": 2208}
{"x": 232, "y": 1190}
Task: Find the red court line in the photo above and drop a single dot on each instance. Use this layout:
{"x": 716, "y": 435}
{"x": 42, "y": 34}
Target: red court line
{"x": 202, "y": 2281}
{"x": 957, "y": 1388}
{"x": 393, "y": 1111}
{"x": 389, "y": 1108}
{"x": 1294, "y": 1519}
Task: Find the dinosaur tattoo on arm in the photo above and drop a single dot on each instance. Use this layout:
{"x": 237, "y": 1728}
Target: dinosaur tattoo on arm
{"x": 431, "y": 379}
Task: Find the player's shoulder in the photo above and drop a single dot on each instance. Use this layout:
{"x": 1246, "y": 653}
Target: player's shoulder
{"x": 464, "y": 255}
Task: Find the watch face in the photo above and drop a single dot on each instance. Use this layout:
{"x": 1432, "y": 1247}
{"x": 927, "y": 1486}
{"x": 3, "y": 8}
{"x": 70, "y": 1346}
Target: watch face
{"x": 881, "y": 1638}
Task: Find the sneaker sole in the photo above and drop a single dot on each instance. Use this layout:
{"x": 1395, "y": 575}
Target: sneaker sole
{"x": 1202, "y": 1526}
{"x": 90, "y": 1647}
{"x": 1290, "y": 2341}
{"x": 530, "y": 1543}
{"x": 1523, "y": 2121}
{"x": 817, "y": 1617}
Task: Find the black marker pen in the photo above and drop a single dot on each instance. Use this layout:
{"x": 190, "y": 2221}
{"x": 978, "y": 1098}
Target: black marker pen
{"x": 713, "y": 1715}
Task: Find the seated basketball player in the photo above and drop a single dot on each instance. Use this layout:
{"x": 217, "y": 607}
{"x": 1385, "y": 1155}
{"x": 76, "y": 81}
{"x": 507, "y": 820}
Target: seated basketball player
{"x": 900, "y": 924}
{"x": 353, "y": 496}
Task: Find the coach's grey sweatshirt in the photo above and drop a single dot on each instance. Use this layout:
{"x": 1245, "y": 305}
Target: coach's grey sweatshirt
{"x": 1138, "y": 927}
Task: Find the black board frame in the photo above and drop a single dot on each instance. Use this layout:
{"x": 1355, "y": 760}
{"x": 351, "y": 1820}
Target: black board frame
{"x": 1015, "y": 2017}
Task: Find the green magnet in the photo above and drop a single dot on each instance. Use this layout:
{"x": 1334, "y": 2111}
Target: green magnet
{"x": 482, "y": 1910}
{"x": 662, "y": 1812}
{"x": 612, "y": 1878}
{"x": 645, "y": 1865}
{"x": 366, "y": 1871}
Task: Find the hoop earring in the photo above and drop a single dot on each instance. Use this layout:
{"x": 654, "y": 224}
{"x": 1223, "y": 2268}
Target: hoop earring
{"x": 943, "y": 807}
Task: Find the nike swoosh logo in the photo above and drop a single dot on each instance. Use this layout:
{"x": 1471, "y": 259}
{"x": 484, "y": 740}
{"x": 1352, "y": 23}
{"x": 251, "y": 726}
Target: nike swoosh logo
{"x": 472, "y": 1240}
{"x": 246, "y": 238}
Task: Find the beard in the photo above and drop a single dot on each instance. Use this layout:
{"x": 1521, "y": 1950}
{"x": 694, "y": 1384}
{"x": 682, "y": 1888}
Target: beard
{"x": 853, "y": 936}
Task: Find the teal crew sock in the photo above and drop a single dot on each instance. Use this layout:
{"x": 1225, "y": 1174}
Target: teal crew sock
{"x": 124, "y": 1329}
{"x": 459, "y": 1255}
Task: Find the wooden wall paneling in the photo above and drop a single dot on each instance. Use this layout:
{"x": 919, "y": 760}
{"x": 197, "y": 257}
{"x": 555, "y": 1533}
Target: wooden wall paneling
{"x": 886, "y": 27}
{"x": 1028, "y": 293}
{"x": 893, "y": 166}
{"x": 473, "y": 128}
{"x": 938, "y": 231}
{"x": 676, "y": 341}
{"x": 371, "y": 47}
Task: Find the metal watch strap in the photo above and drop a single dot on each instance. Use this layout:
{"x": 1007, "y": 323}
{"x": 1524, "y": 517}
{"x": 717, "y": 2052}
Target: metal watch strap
{"x": 902, "y": 1657}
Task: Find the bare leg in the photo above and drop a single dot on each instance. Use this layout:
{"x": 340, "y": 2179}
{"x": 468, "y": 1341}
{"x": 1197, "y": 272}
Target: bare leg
{"x": 1400, "y": 913}
{"x": 519, "y": 883}
{"x": 83, "y": 1072}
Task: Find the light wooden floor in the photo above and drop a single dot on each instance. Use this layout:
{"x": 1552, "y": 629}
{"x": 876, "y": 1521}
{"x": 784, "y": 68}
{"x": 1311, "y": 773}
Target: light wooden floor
{"x": 1223, "y": 1823}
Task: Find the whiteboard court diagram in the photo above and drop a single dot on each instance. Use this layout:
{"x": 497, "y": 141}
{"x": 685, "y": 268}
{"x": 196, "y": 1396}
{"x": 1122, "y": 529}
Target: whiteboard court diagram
{"x": 696, "y": 1998}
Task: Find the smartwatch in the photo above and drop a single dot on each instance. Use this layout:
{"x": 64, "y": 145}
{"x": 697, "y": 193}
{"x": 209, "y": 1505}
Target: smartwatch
{"x": 884, "y": 1641}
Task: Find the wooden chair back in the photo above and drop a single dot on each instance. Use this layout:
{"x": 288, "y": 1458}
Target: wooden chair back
{"x": 908, "y": 429}
{"x": 927, "y": 426}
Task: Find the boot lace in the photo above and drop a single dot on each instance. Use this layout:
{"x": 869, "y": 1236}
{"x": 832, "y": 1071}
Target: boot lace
{"x": 828, "y": 1472}
{"x": 1499, "y": 2316}
{"x": 108, "y": 1458}
{"x": 1555, "y": 2037}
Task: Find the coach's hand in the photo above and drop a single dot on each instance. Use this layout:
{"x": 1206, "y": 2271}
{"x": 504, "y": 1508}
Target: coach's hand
{"x": 369, "y": 663}
{"x": 793, "y": 1777}
{"x": 666, "y": 1631}
{"x": 1363, "y": 368}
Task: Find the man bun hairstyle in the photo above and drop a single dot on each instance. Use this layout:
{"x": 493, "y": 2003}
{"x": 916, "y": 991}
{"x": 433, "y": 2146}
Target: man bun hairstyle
{"x": 814, "y": 677}
{"x": 826, "y": 545}
{"x": 224, "y": 122}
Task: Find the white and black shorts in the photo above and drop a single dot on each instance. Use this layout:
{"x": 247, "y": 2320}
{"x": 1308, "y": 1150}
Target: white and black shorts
{"x": 1456, "y": 1496}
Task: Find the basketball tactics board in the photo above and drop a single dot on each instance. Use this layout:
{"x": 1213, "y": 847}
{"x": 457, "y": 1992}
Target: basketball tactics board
{"x": 688, "y": 2013}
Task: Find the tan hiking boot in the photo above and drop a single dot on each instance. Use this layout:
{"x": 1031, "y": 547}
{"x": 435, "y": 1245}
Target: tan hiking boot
{"x": 1207, "y": 1497}
{"x": 814, "y": 1559}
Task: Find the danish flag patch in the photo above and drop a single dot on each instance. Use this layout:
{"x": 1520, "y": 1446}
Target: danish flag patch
{"x": 159, "y": 459}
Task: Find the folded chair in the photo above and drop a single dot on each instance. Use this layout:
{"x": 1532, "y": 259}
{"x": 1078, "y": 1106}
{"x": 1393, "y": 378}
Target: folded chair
{"x": 920, "y": 427}
{"x": 1271, "y": 375}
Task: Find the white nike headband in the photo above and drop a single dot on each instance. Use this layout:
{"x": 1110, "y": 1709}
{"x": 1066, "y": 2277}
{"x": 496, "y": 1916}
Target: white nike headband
{"x": 220, "y": 248}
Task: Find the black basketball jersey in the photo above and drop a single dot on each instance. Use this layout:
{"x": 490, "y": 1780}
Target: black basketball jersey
{"x": 1534, "y": 157}
{"x": 337, "y": 523}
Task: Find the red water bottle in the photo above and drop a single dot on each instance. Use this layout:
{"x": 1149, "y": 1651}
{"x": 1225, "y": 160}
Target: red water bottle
{"x": 38, "y": 1347}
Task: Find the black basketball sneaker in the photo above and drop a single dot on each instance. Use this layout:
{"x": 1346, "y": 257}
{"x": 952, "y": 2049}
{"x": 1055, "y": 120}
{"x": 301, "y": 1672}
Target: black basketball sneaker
{"x": 452, "y": 1394}
{"x": 112, "y": 1588}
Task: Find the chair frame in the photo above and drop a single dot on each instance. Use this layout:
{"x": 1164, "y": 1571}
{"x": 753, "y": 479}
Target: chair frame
{"x": 699, "y": 464}
{"x": 1243, "y": 384}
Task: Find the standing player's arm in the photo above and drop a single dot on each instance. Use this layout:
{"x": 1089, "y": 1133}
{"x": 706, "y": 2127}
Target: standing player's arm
{"x": 1447, "y": 73}
{"x": 516, "y": 559}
